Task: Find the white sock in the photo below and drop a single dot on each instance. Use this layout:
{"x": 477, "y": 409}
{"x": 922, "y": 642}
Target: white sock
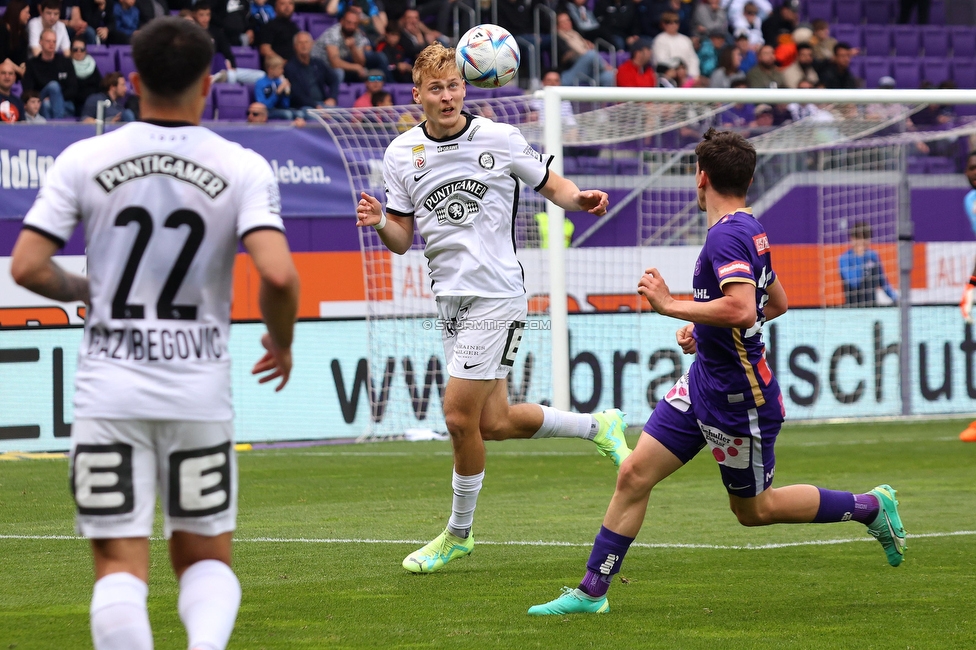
{"x": 466, "y": 489}
{"x": 119, "y": 619}
{"x": 209, "y": 597}
{"x": 563, "y": 424}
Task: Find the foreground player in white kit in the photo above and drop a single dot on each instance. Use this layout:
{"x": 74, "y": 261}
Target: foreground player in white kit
{"x": 163, "y": 203}
{"x": 458, "y": 177}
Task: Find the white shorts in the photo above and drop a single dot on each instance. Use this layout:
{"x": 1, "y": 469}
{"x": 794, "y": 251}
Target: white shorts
{"x": 481, "y": 335}
{"x": 117, "y": 465}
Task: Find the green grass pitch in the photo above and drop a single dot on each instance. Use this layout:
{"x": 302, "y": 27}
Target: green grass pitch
{"x": 309, "y": 584}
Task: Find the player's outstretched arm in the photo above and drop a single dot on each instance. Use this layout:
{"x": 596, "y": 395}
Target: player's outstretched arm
{"x": 395, "y": 232}
{"x": 737, "y": 308}
{"x": 33, "y": 269}
{"x": 564, "y": 193}
{"x": 278, "y": 300}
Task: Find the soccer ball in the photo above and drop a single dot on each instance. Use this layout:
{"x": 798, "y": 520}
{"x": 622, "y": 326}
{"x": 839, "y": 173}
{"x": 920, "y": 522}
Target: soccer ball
{"x": 487, "y": 56}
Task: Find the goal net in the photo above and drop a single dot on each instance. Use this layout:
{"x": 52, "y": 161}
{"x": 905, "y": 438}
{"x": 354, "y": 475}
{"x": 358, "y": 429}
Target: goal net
{"x": 834, "y": 186}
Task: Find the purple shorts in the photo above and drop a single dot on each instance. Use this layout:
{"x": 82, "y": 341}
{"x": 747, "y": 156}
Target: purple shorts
{"x": 740, "y": 441}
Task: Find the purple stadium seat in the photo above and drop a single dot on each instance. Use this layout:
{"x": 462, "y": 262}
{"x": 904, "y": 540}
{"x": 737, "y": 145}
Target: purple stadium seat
{"x": 879, "y": 12}
{"x": 104, "y": 59}
{"x": 963, "y": 42}
{"x": 247, "y": 57}
{"x": 510, "y": 90}
{"x": 937, "y": 13}
{"x": 907, "y": 39}
{"x": 17, "y": 89}
{"x": 218, "y": 63}
{"x": 626, "y": 166}
{"x": 917, "y": 165}
{"x": 474, "y": 93}
{"x": 820, "y": 10}
{"x": 348, "y": 93}
{"x": 935, "y": 40}
{"x": 850, "y": 12}
{"x": 877, "y": 40}
{"x": 964, "y": 73}
{"x": 402, "y": 93}
{"x": 875, "y": 67}
{"x": 318, "y": 23}
{"x": 231, "y": 101}
{"x": 208, "y": 108}
{"x": 126, "y": 64}
{"x": 853, "y": 35}
{"x": 857, "y": 67}
{"x": 570, "y": 165}
{"x": 907, "y": 71}
{"x": 940, "y": 165}
{"x": 935, "y": 69}
{"x": 301, "y": 20}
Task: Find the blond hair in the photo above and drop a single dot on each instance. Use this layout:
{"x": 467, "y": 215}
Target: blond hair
{"x": 433, "y": 60}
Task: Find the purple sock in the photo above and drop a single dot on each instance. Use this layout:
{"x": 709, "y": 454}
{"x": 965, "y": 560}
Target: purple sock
{"x": 844, "y": 506}
{"x": 608, "y": 552}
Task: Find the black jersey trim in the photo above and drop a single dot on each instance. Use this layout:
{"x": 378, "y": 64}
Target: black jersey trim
{"x": 169, "y": 124}
{"x": 43, "y": 233}
{"x": 545, "y": 179}
{"x": 467, "y": 125}
{"x": 515, "y": 200}
{"x": 397, "y": 213}
{"x": 257, "y": 228}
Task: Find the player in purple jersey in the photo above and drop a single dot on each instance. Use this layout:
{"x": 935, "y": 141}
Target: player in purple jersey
{"x": 729, "y": 400}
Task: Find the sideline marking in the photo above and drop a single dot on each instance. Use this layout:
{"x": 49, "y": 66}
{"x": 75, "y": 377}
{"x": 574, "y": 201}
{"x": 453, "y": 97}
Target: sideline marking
{"x": 660, "y": 545}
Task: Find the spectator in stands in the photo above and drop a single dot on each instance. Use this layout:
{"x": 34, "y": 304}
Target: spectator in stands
{"x": 709, "y": 17}
{"x": 708, "y": 52}
{"x": 751, "y": 25}
{"x": 260, "y": 15}
{"x": 127, "y": 18}
{"x": 114, "y": 92}
{"x": 809, "y": 112}
{"x": 257, "y": 113}
{"x": 905, "y": 11}
{"x": 32, "y": 107}
{"x": 764, "y": 117}
{"x": 823, "y": 43}
{"x": 736, "y": 10}
{"x": 669, "y": 44}
{"x": 11, "y": 108}
{"x": 578, "y": 58}
{"x": 278, "y": 36}
{"x": 374, "y": 84}
{"x": 682, "y": 79}
{"x": 586, "y": 23}
{"x": 399, "y": 53}
{"x": 381, "y": 98}
{"x": 233, "y": 18}
{"x": 637, "y": 72}
{"x": 861, "y": 271}
{"x": 646, "y": 18}
{"x": 98, "y": 15}
{"x": 802, "y": 68}
{"x": 618, "y": 18}
{"x": 347, "y": 49}
{"x": 781, "y": 22}
{"x": 537, "y": 113}
{"x": 838, "y": 73}
{"x": 202, "y": 14}
{"x": 13, "y": 34}
{"x": 149, "y": 9}
{"x": 49, "y": 19}
{"x": 739, "y": 116}
{"x": 667, "y": 74}
{"x": 747, "y": 51}
{"x": 313, "y": 83}
{"x": 273, "y": 90}
{"x": 89, "y": 77}
{"x": 372, "y": 15}
{"x": 727, "y": 72}
{"x": 416, "y": 35}
{"x": 53, "y": 76}
{"x": 765, "y": 74}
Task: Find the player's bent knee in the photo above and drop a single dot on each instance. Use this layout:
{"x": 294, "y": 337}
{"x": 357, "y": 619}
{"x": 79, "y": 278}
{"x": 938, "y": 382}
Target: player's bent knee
{"x": 750, "y": 516}
{"x": 632, "y": 481}
{"x": 493, "y": 430}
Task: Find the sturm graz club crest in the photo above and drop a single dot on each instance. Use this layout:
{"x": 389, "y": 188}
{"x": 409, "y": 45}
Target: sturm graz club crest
{"x": 486, "y": 160}
{"x": 455, "y": 201}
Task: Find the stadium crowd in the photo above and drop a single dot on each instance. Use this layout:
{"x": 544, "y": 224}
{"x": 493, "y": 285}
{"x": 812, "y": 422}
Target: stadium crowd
{"x": 59, "y": 56}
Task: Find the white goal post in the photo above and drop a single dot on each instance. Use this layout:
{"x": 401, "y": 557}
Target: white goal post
{"x": 554, "y": 141}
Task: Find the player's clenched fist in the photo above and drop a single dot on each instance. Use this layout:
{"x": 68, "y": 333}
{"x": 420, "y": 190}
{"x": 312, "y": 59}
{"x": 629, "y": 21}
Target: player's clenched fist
{"x": 593, "y": 201}
{"x": 653, "y": 287}
{"x": 369, "y": 212}
{"x": 686, "y": 339}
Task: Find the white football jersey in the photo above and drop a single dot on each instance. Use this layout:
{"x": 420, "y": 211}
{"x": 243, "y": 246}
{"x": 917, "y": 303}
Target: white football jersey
{"x": 163, "y": 208}
{"x": 463, "y": 192}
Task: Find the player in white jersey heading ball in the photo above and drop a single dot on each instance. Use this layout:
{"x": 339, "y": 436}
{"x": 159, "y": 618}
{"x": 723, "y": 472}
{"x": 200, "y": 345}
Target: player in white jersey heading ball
{"x": 457, "y": 177}
{"x": 163, "y": 203}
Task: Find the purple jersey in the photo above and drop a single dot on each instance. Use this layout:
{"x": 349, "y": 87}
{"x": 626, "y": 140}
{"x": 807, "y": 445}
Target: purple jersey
{"x": 730, "y": 369}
